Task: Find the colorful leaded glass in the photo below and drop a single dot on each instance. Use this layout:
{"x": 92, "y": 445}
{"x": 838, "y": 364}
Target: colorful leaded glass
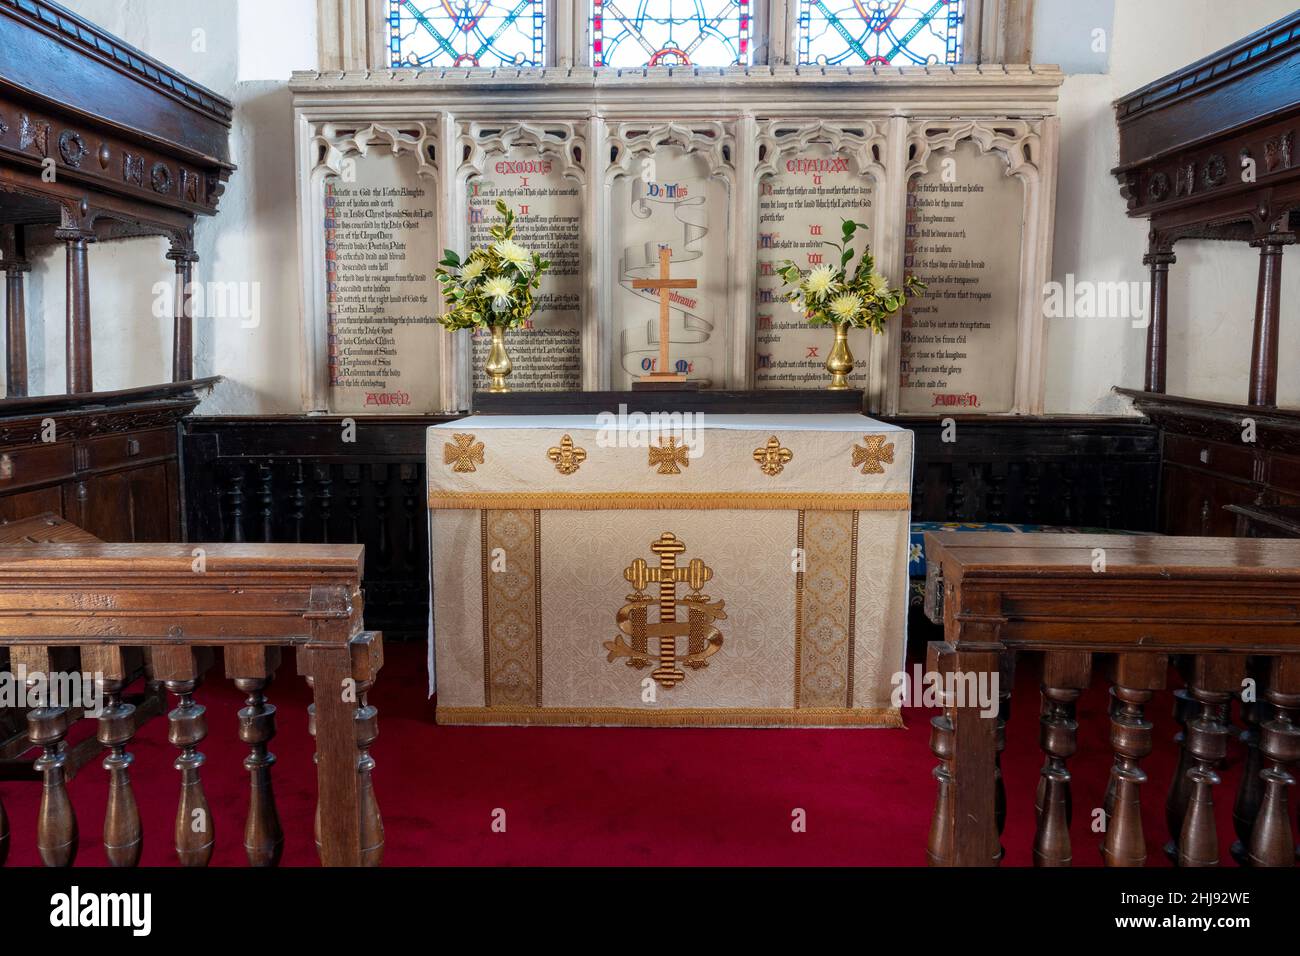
{"x": 845, "y": 32}
{"x": 466, "y": 32}
{"x": 632, "y": 33}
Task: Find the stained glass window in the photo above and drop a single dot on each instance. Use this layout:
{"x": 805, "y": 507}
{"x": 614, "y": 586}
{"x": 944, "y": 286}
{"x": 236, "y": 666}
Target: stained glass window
{"x": 466, "y": 32}
{"x": 632, "y": 33}
{"x": 845, "y": 32}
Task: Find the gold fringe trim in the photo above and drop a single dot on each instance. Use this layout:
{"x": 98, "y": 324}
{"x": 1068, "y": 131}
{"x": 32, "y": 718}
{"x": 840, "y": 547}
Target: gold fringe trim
{"x": 676, "y": 717}
{"x": 670, "y": 500}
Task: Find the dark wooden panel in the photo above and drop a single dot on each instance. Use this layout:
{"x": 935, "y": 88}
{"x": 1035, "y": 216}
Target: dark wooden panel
{"x": 321, "y": 479}
{"x": 114, "y": 451}
{"x": 1195, "y": 502}
{"x": 124, "y": 506}
{"x": 26, "y": 504}
{"x": 35, "y": 465}
{"x": 773, "y": 401}
{"x": 290, "y": 479}
{"x": 1093, "y": 472}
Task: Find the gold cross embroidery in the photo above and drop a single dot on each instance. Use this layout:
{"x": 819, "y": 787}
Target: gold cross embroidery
{"x": 669, "y": 456}
{"x": 870, "y": 458}
{"x": 772, "y": 458}
{"x": 567, "y": 456}
{"x": 464, "y": 453}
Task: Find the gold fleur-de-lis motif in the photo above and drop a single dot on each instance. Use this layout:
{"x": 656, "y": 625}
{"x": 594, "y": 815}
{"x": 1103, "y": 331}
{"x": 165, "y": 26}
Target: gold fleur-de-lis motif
{"x": 870, "y": 458}
{"x": 669, "y": 456}
{"x": 566, "y": 455}
{"x": 462, "y": 455}
{"x": 772, "y": 458}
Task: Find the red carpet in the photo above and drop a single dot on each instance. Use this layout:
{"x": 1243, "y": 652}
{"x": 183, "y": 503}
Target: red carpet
{"x": 611, "y": 796}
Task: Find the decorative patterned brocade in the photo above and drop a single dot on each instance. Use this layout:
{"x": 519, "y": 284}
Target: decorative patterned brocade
{"x": 512, "y": 625}
{"x": 826, "y": 600}
{"x": 667, "y": 500}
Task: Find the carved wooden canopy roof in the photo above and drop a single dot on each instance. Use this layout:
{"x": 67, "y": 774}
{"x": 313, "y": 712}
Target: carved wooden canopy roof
{"x": 97, "y": 136}
{"x": 1209, "y": 151}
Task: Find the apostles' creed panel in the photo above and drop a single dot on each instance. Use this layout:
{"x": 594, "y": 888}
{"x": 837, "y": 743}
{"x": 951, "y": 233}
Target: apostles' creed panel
{"x": 670, "y": 200}
{"x": 547, "y": 350}
{"x": 799, "y": 211}
{"x": 380, "y": 250}
{"x": 965, "y": 220}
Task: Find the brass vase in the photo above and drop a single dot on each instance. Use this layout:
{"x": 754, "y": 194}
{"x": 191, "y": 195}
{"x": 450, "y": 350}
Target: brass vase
{"x": 498, "y": 361}
{"x": 840, "y": 362}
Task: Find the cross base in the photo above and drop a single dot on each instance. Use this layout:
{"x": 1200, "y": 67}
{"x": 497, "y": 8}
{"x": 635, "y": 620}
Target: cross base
{"x": 667, "y": 382}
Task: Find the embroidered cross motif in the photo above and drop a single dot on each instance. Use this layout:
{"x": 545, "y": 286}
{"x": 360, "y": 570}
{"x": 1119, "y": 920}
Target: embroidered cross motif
{"x": 703, "y": 638}
{"x": 567, "y": 456}
{"x": 772, "y": 458}
{"x": 669, "y": 456}
{"x": 463, "y": 454}
{"x": 870, "y": 458}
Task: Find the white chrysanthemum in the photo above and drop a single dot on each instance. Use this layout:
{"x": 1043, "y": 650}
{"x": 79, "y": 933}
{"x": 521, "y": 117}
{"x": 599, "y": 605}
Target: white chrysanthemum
{"x": 499, "y": 288}
{"x": 819, "y": 282}
{"x": 877, "y": 284}
{"x": 845, "y": 307}
{"x": 472, "y": 270}
{"x": 514, "y": 254}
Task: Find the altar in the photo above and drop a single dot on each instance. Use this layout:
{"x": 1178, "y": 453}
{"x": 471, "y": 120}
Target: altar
{"x": 717, "y": 570}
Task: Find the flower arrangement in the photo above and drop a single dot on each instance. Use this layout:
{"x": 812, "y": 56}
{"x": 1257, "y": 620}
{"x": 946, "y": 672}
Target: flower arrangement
{"x": 831, "y": 295}
{"x": 493, "y": 287}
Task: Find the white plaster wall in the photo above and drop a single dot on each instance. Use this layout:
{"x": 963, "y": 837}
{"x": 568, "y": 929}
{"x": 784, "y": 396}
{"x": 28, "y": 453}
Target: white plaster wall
{"x": 252, "y": 45}
{"x": 1212, "y": 286}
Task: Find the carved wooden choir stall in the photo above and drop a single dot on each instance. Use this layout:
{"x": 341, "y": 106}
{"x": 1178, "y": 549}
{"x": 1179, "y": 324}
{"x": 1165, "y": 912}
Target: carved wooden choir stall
{"x": 1209, "y": 152}
{"x": 113, "y": 145}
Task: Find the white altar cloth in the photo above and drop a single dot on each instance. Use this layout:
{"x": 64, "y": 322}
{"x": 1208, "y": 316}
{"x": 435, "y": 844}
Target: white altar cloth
{"x": 719, "y": 570}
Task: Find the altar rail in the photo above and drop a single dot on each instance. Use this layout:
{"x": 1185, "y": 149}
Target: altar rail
{"x": 176, "y": 602}
{"x": 1218, "y": 610}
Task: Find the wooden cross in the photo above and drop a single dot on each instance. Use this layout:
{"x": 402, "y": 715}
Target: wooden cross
{"x": 662, "y": 285}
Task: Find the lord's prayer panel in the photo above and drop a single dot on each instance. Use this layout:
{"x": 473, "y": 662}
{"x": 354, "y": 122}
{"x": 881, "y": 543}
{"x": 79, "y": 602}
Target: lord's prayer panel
{"x": 669, "y": 571}
{"x": 965, "y": 218}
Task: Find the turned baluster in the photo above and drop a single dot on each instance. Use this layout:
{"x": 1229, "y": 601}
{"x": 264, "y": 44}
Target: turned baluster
{"x": 252, "y": 668}
{"x": 1065, "y": 675}
{"x": 340, "y": 678}
{"x": 372, "y": 824}
{"x": 1135, "y": 677}
{"x": 181, "y": 669}
{"x": 1180, "y": 786}
{"x": 1271, "y": 841}
{"x": 1250, "y": 791}
{"x": 1214, "y": 680}
{"x": 939, "y": 849}
{"x": 56, "y": 827}
{"x": 122, "y": 832}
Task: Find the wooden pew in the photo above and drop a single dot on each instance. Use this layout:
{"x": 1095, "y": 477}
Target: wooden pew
{"x": 1221, "y": 609}
{"x": 177, "y": 601}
